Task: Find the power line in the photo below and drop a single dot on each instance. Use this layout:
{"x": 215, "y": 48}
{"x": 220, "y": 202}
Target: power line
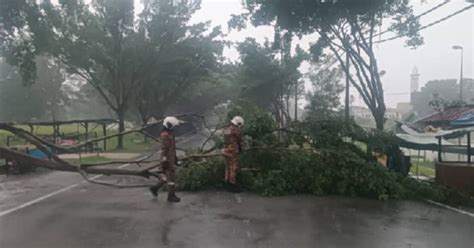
{"x": 421, "y": 28}
{"x": 431, "y": 24}
{"x": 415, "y": 17}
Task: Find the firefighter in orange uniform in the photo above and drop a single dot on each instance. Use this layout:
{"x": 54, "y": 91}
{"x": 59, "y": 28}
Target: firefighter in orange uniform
{"x": 232, "y": 147}
{"x": 168, "y": 159}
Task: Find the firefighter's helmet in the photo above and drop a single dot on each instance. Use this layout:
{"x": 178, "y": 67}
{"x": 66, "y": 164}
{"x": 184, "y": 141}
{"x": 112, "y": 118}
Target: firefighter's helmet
{"x": 238, "y": 121}
{"x": 170, "y": 122}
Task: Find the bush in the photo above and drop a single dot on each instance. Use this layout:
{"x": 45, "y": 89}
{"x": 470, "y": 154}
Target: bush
{"x": 329, "y": 172}
{"x": 198, "y": 176}
{"x": 334, "y": 167}
{"x": 259, "y": 124}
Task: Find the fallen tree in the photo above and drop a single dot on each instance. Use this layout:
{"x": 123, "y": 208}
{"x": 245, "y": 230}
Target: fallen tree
{"x": 148, "y": 167}
{"x": 151, "y": 168}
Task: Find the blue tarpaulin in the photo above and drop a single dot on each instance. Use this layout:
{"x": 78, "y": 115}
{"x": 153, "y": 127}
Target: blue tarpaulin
{"x": 37, "y": 153}
{"x": 464, "y": 121}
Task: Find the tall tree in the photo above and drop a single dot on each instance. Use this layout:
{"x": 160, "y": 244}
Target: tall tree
{"x": 220, "y": 87}
{"x": 106, "y": 46}
{"x": 327, "y": 89}
{"x": 267, "y": 76}
{"x": 44, "y": 100}
{"x": 440, "y": 92}
{"x": 343, "y": 26}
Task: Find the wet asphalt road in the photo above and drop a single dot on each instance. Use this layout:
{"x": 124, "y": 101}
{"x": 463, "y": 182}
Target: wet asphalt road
{"x": 96, "y": 216}
{"x": 87, "y": 215}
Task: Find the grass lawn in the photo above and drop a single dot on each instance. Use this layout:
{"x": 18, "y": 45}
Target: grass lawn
{"x": 425, "y": 168}
{"x": 132, "y": 142}
{"x": 89, "y": 160}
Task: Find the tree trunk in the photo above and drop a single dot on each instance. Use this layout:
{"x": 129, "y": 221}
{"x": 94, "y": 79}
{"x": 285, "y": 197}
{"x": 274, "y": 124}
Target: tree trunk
{"x": 144, "y": 122}
{"x": 379, "y": 116}
{"x": 121, "y": 118}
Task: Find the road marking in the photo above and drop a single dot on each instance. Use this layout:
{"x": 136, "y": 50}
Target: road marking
{"x": 452, "y": 208}
{"x": 238, "y": 198}
{"x": 37, "y": 200}
{"x": 42, "y": 198}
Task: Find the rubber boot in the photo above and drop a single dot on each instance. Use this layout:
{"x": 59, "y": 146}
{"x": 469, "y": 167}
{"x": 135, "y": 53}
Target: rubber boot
{"x": 154, "y": 189}
{"x": 226, "y": 185}
{"x": 234, "y": 188}
{"x": 172, "y": 195}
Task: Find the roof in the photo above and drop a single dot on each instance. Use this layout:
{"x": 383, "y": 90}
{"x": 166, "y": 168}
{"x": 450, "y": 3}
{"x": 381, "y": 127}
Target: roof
{"x": 446, "y": 117}
{"x": 465, "y": 120}
{"x": 51, "y": 123}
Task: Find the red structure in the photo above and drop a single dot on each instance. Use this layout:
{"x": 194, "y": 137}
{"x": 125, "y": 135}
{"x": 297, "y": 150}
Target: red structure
{"x": 454, "y": 175}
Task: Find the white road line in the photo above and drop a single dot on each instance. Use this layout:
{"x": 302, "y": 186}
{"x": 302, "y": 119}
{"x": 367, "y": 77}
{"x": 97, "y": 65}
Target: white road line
{"x": 24, "y": 205}
{"x": 42, "y": 198}
{"x": 238, "y": 198}
{"x": 452, "y": 208}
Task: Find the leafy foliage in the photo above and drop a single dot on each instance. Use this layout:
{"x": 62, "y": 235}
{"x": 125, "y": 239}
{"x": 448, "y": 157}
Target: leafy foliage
{"x": 198, "y": 176}
{"x": 257, "y": 121}
{"x": 45, "y": 100}
{"x": 217, "y": 89}
{"x": 327, "y": 90}
{"x": 322, "y": 163}
{"x": 141, "y": 62}
{"x": 339, "y": 172}
{"x": 343, "y": 26}
{"x": 269, "y": 74}
{"x": 439, "y": 94}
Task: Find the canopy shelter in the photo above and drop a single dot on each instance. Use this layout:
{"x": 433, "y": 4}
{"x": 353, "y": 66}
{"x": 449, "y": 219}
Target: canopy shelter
{"x": 420, "y": 143}
{"x": 459, "y": 149}
{"x": 89, "y": 125}
{"x": 432, "y": 132}
{"x": 437, "y": 141}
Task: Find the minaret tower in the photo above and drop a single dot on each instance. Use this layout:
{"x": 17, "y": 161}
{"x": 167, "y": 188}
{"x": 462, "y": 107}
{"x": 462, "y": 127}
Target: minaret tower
{"x": 415, "y": 81}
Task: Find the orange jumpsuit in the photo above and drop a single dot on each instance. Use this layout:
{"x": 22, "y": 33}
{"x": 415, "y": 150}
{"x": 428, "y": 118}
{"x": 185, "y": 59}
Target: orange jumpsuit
{"x": 232, "y": 142}
{"x": 168, "y": 156}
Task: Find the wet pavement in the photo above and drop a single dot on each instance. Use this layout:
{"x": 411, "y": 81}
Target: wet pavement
{"x": 97, "y": 216}
{"x": 58, "y": 209}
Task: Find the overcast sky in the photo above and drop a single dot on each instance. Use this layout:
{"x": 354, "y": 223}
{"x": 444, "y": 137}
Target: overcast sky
{"x": 435, "y": 59}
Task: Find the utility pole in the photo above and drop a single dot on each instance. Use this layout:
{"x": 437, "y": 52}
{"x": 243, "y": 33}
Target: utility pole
{"x": 296, "y": 100}
{"x": 461, "y": 76}
{"x": 457, "y": 47}
{"x": 347, "y": 110}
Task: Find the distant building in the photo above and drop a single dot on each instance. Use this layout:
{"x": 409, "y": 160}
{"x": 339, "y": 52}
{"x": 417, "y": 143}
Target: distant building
{"x": 393, "y": 114}
{"x": 403, "y": 107}
{"x": 361, "y": 112}
{"x": 364, "y": 113}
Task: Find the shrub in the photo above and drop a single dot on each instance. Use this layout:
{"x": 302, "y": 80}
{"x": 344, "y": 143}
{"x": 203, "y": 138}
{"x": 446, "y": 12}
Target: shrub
{"x": 198, "y": 176}
{"x": 259, "y": 124}
{"x": 329, "y": 172}
{"x": 333, "y": 167}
